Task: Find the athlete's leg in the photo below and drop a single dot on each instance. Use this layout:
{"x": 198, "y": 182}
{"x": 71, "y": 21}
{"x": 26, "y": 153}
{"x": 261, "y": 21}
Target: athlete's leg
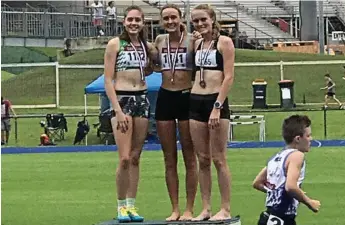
{"x": 140, "y": 128}
{"x": 337, "y": 100}
{"x": 200, "y": 137}
{"x": 190, "y": 162}
{"x": 123, "y": 142}
{"x": 326, "y": 100}
{"x": 218, "y": 141}
{"x": 167, "y": 135}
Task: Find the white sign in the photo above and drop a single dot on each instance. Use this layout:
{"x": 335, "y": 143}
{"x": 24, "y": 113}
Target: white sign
{"x": 338, "y": 36}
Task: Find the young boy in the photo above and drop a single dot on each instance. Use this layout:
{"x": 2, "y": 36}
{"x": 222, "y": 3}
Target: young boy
{"x": 282, "y": 178}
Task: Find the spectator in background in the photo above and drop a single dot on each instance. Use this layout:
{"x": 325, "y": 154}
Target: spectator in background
{"x": 97, "y": 13}
{"x": 5, "y": 120}
{"x": 111, "y": 14}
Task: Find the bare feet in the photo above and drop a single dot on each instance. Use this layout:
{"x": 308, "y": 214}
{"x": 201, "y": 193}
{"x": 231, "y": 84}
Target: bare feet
{"x": 174, "y": 216}
{"x": 187, "y": 216}
{"x": 221, "y": 215}
{"x": 204, "y": 215}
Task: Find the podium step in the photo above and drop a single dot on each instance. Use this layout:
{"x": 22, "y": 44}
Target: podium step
{"x": 234, "y": 221}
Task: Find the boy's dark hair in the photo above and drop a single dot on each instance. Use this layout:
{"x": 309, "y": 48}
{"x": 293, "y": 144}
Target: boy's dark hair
{"x": 327, "y": 75}
{"x": 294, "y": 126}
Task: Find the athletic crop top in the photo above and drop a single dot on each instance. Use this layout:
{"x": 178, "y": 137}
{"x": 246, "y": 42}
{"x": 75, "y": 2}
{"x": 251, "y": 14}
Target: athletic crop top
{"x": 213, "y": 60}
{"x": 184, "y": 59}
{"x": 127, "y": 57}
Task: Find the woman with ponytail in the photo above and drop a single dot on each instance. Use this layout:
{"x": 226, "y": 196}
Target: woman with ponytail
{"x": 209, "y": 108}
{"x": 126, "y": 60}
{"x": 175, "y": 51}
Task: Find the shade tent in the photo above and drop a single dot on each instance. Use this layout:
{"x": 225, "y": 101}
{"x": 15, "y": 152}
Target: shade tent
{"x": 153, "y": 82}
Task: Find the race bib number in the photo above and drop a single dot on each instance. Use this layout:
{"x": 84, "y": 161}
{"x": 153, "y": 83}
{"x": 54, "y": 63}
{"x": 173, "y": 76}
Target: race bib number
{"x": 274, "y": 220}
{"x": 133, "y": 59}
{"x": 210, "y": 59}
{"x": 181, "y": 58}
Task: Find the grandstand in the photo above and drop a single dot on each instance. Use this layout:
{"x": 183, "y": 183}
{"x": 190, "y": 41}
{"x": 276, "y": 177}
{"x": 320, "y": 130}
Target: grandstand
{"x": 264, "y": 21}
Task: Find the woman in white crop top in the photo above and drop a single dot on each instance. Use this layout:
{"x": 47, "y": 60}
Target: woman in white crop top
{"x": 172, "y": 109}
{"x": 209, "y": 109}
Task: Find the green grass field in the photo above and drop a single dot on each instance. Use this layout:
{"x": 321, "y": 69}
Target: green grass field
{"x": 6, "y": 75}
{"x": 79, "y": 188}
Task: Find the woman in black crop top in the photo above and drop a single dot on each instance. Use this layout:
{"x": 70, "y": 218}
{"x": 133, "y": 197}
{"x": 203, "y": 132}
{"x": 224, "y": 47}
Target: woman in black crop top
{"x": 209, "y": 108}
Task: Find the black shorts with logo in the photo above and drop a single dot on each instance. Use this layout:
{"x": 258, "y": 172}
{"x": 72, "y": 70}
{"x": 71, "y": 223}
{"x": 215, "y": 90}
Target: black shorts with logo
{"x": 172, "y": 105}
{"x": 201, "y": 107}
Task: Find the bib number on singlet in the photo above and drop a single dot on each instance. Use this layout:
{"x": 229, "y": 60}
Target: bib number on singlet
{"x": 274, "y": 220}
{"x": 132, "y": 55}
{"x": 210, "y": 60}
{"x": 180, "y": 61}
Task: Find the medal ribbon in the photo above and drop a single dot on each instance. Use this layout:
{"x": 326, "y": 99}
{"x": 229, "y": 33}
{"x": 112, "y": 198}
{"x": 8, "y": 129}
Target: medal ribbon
{"x": 141, "y": 62}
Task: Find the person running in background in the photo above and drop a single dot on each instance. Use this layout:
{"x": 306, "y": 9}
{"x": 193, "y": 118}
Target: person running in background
{"x": 282, "y": 178}
{"x": 330, "y": 94}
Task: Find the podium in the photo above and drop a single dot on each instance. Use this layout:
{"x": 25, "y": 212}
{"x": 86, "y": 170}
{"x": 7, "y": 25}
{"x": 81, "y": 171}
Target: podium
{"x": 233, "y": 221}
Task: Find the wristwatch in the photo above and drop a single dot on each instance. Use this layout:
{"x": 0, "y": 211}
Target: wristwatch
{"x": 217, "y": 105}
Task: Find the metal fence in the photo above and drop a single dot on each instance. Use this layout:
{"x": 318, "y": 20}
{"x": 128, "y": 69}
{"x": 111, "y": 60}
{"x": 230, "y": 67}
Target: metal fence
{"x": 280, "y": 68}
{"x": 50, "y": 24}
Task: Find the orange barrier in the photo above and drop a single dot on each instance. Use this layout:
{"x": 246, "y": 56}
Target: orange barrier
{"x": 311, "y": 47}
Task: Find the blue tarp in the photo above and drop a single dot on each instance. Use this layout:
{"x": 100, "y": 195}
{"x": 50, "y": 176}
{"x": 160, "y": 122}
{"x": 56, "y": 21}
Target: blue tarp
{"x": 153, "y": 81}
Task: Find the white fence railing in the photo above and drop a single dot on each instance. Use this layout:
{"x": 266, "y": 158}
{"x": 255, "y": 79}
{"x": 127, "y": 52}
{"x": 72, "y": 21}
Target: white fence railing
{"x": 58, "y": 66}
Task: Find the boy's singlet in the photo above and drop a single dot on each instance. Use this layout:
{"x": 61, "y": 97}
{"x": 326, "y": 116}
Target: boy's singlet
{"x": 277, "y": 198}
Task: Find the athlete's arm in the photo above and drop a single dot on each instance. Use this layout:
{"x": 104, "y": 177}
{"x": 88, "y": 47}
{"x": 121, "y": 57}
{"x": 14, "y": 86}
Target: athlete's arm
{"x": 228, "y": 52}
{"x": 333, "y": 85}
{"x": 153, "y": 53}
{"x": 293, "y": 167}
{"x": 153, "y": 59}
{"x": 196, "y": 43}
{"x": 109, "y": 70}
{"x": 260, "y": 180}
{"x": 157, "y": 64}
{"x": 12, "y": 110}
